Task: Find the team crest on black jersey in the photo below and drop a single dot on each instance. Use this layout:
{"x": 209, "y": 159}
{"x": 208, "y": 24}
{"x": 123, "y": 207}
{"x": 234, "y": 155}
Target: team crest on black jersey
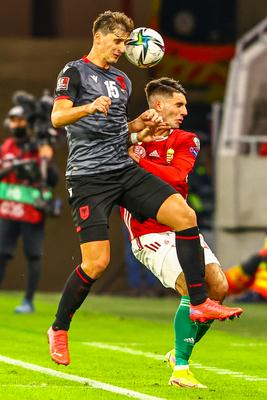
{"x": 84, "y": 212}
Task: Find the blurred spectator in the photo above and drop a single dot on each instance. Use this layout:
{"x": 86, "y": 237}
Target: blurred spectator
{"x": 250, "y": 278}
{"x": 26, "y": 176}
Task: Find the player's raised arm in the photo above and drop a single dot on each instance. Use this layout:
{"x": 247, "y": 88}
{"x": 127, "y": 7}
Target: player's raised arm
{"x": 64, "y": 113}
{"x": 149, "y": 134}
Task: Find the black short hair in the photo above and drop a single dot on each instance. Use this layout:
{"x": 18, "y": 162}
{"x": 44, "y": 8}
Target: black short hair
{"x": 163, "y": 86}
{"x": 108, "y": 21}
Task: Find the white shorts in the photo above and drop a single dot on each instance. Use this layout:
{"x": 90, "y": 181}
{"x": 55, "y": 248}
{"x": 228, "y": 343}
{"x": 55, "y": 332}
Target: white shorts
{"x": 157, "y": 252}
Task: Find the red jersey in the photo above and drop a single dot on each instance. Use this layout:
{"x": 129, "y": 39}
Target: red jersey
{"x": 171, "y": 159}
{"x": 10, "y": 205}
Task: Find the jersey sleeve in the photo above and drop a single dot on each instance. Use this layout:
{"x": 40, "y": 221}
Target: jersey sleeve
{"x": 181, "y": 165}
{"x": 68, "y": 84}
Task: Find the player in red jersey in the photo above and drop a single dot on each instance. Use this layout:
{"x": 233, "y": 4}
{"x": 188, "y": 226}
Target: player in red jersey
{"x": 172, "y": 158}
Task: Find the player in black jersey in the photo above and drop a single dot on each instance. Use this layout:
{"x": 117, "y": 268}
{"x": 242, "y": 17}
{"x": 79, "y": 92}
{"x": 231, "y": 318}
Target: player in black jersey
{"x": 91, "y": 101}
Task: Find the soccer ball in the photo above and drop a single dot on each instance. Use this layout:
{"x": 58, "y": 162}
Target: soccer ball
{"x": 144, "y": 48}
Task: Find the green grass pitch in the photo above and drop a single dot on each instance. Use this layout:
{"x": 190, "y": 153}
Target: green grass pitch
{"x": 120, "y": 341}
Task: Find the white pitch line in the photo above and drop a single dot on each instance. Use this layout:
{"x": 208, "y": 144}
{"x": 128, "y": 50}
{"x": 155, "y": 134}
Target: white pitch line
{"x": 75, "y": 378}
{"x": 260, "y": 344}
{"x": 219, "y": 371}
{"x": 127, "y": 350}
{"x": 45, "y": 386}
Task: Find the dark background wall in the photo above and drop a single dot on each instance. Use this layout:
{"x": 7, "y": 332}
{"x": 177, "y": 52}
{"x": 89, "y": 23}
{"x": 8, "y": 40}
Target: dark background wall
{"x": 34, "y": 45}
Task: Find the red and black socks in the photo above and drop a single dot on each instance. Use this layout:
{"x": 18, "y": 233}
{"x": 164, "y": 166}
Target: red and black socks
{"x": 74, "y": 293}
{"x": 191, "y": 256}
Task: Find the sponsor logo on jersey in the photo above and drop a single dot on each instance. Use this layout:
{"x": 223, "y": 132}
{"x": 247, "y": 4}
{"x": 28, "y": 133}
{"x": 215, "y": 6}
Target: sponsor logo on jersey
{"x": 154, "y": 154}
{"x": 94, "y": 77}
{"x": 169, "y": 155}
{"x": 12, "y": 209}
{"x": 63, "y": 83}
{"x": 84, "y": 212}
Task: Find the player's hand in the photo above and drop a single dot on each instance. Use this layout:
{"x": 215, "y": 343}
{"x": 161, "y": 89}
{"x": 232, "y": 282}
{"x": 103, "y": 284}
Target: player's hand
{"x": 153, "y": 133}
{"x": 133, "y": 154}
{"x": 162, "y": 129}
{"x": 146, "y": 135}
{"x": 150, "y": 118}
{"x": 101, "y": 104}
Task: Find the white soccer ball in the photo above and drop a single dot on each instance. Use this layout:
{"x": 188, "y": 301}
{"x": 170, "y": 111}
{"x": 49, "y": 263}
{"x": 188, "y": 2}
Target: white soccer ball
{"x": 144, "y": 48}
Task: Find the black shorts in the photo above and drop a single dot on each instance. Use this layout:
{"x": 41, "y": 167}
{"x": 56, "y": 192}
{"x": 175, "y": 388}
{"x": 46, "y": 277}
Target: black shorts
{"x": 92, "y": 198}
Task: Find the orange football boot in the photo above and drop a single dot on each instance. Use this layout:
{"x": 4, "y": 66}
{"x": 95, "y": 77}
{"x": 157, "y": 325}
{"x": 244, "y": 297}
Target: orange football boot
{"x": 58, "y": 346}
{"x": 211, "y": 309}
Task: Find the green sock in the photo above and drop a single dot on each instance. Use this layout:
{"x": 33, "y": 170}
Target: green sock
{"x": 185, "y": 332}
{"x": 202, "y": 329}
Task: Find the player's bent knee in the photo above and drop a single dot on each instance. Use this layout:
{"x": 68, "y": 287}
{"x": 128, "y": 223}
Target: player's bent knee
{"x": 190, "y": 216}
{"x": 95, "y": 268}
{"x": 184, "y": 218}
{"x": 176, "y": 213}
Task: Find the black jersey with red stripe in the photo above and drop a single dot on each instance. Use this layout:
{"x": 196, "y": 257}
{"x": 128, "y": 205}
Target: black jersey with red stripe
{"x": 171, "y": 159}
{"x": 97, "y": 143}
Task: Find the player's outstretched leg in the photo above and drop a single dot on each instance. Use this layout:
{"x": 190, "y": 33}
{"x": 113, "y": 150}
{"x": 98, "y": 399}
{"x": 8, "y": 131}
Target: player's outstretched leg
{"x": 75, "y": 291}
{"x": 190, "y": 254}
{"x": 202, "y": 308}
